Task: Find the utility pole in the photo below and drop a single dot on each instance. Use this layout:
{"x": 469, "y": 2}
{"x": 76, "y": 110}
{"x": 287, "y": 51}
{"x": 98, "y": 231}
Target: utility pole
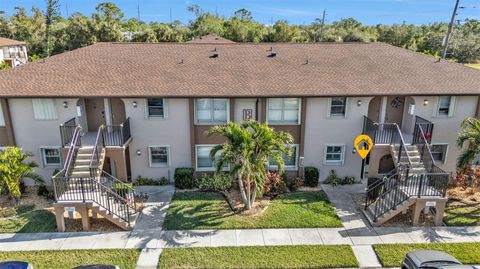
{"x": 138, "y": 12}
{"x": 322, "y": 25}
{"x": 449, "y": 30}
{"x": 170, "y": 15}
{"x": 66, "y": 9}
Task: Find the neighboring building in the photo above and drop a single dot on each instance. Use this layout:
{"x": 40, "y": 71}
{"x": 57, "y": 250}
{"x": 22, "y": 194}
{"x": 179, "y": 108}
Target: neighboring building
{"x": 158, "y": 100}
{"x": 13, "y": 52}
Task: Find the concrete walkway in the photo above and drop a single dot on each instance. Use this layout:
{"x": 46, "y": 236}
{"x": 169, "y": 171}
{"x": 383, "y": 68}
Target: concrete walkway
{"x": 149, "y": 236}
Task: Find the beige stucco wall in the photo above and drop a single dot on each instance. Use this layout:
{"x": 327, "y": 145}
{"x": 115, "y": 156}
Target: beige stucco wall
{"x": 240, "y": 105}
{"x": 31, "y": 134}
{"x": 321, "y": 130}
{"x": 174, "y": 131}
{"x": 446, "y": 128}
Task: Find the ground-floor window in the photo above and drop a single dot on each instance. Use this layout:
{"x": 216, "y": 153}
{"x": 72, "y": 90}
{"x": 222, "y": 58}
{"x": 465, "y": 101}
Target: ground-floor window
{"x": 439, "y": 152}
{"x": 334, "y": 154}
{"x": 203, "y": 160}
{"x": 291, "y": 162}
{"x": 159, "y": 156}
{"x": 51, "y": 156}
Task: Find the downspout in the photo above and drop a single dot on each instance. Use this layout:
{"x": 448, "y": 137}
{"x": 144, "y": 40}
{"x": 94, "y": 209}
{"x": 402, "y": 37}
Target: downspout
{"x": 256, "y": 109}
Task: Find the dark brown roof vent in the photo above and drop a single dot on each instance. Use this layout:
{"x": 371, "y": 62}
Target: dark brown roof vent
{"x": 272, "y": 53}
{"x": 215, "y": 53}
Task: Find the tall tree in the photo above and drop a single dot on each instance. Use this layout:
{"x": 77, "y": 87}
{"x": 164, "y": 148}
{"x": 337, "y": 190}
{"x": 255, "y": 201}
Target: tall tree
{"x": 107, "y": 22}
{"x": 248, "y": 150}
{"x": 51, "y": 14}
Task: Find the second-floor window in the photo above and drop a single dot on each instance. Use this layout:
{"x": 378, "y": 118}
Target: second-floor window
{"x": 338, "y": 106}
{"x": 211, "y": 110}
{"x": 445, "y": 106}
{"x": 44, "y": 109}
{"x": 283, "y": 110}
{"x": 156, "y": 108}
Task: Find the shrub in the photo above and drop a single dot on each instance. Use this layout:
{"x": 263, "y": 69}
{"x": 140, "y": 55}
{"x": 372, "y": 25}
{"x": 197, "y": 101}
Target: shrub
{"x": 332, "y": 178}
{"x": 282, "y": 187}
{"x": 272, "y": 182}
{"x": 143, "y": 181}
{"x": 45, "y": 192}
{"x": 372, "y": 180}
{"x": 185, "y": 178}
{"x": 296, "y": 183}
{"x": 311, "y": 176}
{"x": 217, "y": 182}
{"x": 347, "y": 180}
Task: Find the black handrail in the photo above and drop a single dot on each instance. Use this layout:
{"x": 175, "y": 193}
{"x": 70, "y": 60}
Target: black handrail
{"x": 74, "y": 144}
{"x": 117, "y": 135}
{"x": 67, "y": 130}
{"x": 427, "y": 130}
{"x": 88, "y": 189}
{"x": 97, "y": 151}
{"x": 123, "y": 189}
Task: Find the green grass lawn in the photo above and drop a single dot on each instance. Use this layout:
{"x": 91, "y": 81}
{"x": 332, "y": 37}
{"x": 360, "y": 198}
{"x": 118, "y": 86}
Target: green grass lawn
{"x": 67, "y": 259}
{"x": 29, "y": 222}
{"x": 332, "y": 256}
{"x": 461, "y": 214}
{"x": 201, "y": 210}
{"x": 391, "y": 255}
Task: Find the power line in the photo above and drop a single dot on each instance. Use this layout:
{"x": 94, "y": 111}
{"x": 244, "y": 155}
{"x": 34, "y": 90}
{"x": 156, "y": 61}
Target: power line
{"x": 138, "y": 12}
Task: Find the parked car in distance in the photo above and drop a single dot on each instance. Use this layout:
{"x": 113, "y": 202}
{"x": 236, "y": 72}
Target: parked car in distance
{"x": 97, "y": 266}
{"x": 432, "y": 259}
{"x": 15, "y": 265}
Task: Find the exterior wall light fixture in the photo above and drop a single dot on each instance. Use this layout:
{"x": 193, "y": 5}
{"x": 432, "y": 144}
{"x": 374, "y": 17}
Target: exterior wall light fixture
{"x": 425, "y": 102}
{"x": 135, "y": 104}
{"x": 359, "y": 102}
{"x": 139, "y": 152}
{"x": 65, "y": 104}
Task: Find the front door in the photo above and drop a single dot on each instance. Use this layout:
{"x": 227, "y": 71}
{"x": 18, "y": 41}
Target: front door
{"x": 95, "y": 112}
{"x": 395, "y": 105}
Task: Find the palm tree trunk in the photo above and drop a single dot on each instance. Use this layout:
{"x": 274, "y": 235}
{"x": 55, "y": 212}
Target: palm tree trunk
{"x": 248, "y": 205}
{"x": 242, "y": 188}
{"x": 254, "y": 195}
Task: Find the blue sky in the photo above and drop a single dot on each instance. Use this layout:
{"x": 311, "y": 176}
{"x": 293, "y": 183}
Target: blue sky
{"x": 369, "y": 12}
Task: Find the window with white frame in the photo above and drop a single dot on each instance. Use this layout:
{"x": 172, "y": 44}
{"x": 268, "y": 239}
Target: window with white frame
{"x": 204, "y": 162}
{"x": 51, "y": 156}
{"x": 156, "y": 108}
{"x": 290, "y": 161}
{"x": 334, "y": 154}
{"x": 338, "y": 106}
{"x": 283, "y": 110}
{"x": 2, "y": 119}
{"x": 445, "y": 106}
{"x": 211, "y": 110}
{"x": 159, "y": 156}
{"x": 439, "y": 152}
{"x": 44, "y": 109}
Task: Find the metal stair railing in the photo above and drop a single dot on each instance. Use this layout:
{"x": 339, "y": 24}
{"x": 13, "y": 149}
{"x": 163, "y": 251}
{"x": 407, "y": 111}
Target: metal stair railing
{"x": 89, "y": 190}
{"x": 96, "y": 154}
{"x": 377, "y": 188}
{"x": 121, "y": 188}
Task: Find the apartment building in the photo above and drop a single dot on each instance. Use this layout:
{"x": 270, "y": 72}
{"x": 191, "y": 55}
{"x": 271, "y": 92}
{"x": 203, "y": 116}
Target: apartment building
{"x": 13, "y": 52}
{"x": 143, "y": 109}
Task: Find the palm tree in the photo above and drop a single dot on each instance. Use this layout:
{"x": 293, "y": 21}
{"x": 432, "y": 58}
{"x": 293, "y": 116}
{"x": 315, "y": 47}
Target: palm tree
{"x": 470, "y": 132}
{"x": 248, "y": 149}
{"x": 13, "y": 169}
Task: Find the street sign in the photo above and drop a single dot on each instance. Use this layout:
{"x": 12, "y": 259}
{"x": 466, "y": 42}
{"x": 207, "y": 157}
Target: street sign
{"x": 363, "y": 144}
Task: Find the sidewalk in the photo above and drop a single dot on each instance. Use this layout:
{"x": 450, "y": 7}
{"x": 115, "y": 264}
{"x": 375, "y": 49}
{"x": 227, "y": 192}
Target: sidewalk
{"x": 149, "y": 236}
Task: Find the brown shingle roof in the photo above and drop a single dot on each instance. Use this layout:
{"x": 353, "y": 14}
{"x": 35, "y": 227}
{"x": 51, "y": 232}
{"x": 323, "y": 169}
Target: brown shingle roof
{"x": 184, "y": 70}
{"x": 210, "y": 38}
{"x": 10, "y": 42}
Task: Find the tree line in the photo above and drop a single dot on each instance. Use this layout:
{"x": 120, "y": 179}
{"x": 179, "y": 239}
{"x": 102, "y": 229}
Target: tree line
{"x": 48, "y": 33}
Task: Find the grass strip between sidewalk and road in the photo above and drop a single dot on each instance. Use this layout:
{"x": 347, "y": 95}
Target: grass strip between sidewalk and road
{"x": 203, "y": 210}
{"x": 67, "y": 259}
{"x": 391, "y": 255}
{"x": 317, "y": 256}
